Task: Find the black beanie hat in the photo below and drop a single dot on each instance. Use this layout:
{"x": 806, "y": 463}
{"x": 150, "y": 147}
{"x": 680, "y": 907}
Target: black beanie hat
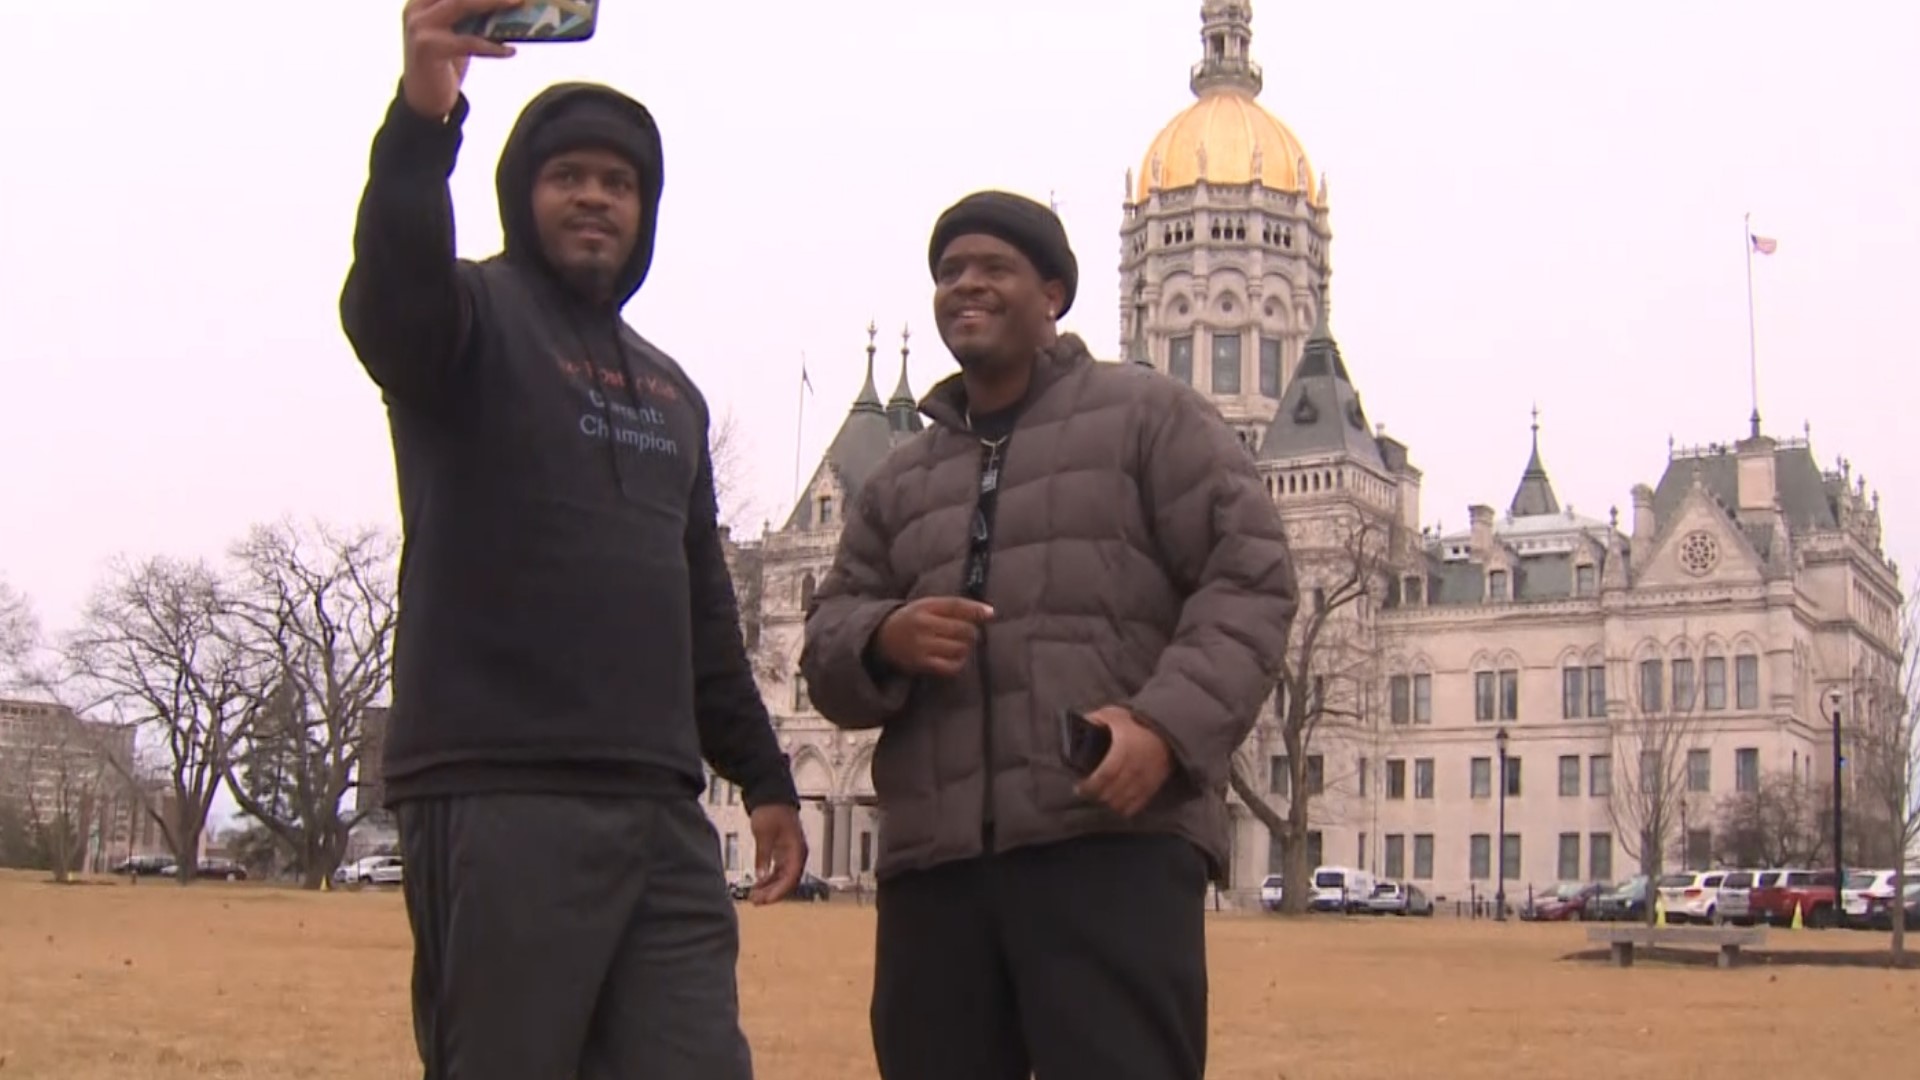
{"x": 1029, "y": 226}
{"x": 597, "y": 123}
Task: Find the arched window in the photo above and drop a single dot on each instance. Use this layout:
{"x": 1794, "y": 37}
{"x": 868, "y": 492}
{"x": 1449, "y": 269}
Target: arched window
{"x": 807, "y": 585}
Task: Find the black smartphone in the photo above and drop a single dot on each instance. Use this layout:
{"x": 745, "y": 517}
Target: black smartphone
{"x": 1083, "y": 744}
{"x": 537, "y": 20}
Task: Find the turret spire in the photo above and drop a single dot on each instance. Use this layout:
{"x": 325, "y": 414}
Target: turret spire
{"x": 903, "y": 412}
{"x": 1534, "y": 497}
{"x": 869, "y": 399}
{"x": 1226, "y": 62}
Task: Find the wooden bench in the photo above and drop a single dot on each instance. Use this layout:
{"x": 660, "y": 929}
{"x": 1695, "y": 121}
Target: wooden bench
{"x": 1728, "y": 939}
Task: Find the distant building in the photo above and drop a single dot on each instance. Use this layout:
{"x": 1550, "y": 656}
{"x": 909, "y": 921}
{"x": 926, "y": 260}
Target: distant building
{"x": 54, "y": 763}
{"x": 1748, "y": 582}
{"x": 369, "y": 789}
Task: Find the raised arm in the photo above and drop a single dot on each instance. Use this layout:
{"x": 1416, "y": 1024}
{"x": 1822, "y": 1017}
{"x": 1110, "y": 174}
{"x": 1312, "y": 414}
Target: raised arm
{"x": 1222, "y": 538}
{"x": 736, "y": 734}
{"x": 404, "y": 306}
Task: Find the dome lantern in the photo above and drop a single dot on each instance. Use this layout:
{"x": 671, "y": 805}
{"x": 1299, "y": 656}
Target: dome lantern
{"x": 1225, "y": 139}
{"x": 1226, "y": 36}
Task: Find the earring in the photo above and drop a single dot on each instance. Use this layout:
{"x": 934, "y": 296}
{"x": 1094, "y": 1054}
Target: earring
{"x": 1052, "y": 314}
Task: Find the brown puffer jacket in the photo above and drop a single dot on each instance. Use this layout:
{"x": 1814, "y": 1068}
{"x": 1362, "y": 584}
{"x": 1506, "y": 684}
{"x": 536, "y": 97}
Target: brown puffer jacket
{"x": 1137, "y": 560}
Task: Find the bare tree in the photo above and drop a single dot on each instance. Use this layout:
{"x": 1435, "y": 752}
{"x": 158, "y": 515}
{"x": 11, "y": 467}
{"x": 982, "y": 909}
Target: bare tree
{"x": 316, "y": 609}
{"x": 19, "y": 636}
{"x": 1886, "y": 754}
{"x": 1778, "y": 823}
{"x": 154, "y": 651}
{"x": 1648, "y": 804}
{"x": 732, "y": 471}
{"x": 747, "y": 563}
{"x": 1325, "y": 684}
{"x": 64, "y": 779}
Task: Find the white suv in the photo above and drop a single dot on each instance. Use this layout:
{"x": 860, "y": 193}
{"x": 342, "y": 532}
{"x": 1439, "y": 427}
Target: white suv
{"x": 1693, "y": 896}
{"x": 1862, "y": 888}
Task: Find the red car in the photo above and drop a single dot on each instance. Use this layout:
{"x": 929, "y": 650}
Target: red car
{"x": 1567, "y": 901}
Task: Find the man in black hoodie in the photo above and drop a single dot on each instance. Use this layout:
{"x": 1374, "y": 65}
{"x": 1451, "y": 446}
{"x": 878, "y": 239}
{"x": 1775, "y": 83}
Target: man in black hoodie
{"x": 569, "y": 647}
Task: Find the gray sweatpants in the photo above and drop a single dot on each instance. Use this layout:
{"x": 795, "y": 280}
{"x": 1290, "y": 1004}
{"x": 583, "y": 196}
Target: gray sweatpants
{"x": 571, "y": 938}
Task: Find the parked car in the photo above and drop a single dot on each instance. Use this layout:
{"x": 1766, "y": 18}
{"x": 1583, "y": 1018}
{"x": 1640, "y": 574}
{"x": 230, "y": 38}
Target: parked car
{"x": 1341, "y": 888}
{"x": 145, "y": 865}
{"x": 1271, "y": 892}
{"x": 1562, "y": 903}
{"x": 1692, "y": 896}
{"x": 810, "y": 888}
{"x": 379, "y": 870}
{"x": 1777, "y": 894}
{"x": 214, "y": 869}
{"x": 1862, "y": 888}
{"x": 1736, "y": 896}
{"x": 1399, "y": 898}
{"x": 1880, "y": 910}
{"x": 1625, "y": 902}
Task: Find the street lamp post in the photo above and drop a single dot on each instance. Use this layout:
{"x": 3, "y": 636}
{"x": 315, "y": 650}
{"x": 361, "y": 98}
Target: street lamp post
{"x": 1834, "y": 701}
{"x": 1500, "y": 882}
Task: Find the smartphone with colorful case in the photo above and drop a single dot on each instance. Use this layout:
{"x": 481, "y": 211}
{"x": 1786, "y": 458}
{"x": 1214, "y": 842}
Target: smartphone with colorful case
{"x": 537, "y": 20}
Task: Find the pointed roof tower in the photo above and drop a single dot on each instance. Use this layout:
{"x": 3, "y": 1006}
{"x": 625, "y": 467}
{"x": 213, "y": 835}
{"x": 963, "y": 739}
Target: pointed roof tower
{"x": 903, "y": 410}
{"x": 864, "y": 439}
{"x": 869, "y": 399}
{"x": 1320, "y": 413}
{"x": 1534, "y": 497}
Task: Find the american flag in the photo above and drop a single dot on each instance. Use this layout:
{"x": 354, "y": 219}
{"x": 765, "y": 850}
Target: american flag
{"x": 1765, "y": 245}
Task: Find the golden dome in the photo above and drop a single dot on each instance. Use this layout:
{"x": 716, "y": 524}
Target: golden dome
{"x": 1231, "y": 127}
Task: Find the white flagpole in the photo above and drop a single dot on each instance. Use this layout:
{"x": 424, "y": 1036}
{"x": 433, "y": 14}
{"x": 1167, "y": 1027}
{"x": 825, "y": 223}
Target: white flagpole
{"x": 1753, "y": 353}
{"x": 799, "y": 425}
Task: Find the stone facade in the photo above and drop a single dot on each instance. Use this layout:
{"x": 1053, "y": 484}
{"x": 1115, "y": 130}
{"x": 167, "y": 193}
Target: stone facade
{"x": 1749, "y": 582}
{"x": 53, "y": 763}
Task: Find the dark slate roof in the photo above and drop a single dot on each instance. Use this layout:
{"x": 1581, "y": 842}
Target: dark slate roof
{"x": 903, "y": 410}
{"x": 1534, "y": 497}
{"x": 1805, "y": 495}
{"x": 1544, "y": 577}
{"x": 1455, "y": 583}
{"x": 1320, "y": 412}
{"x": 864, "y": 439}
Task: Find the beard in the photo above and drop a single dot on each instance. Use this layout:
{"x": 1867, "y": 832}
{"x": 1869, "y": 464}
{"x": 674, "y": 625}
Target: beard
{"x": 592, "y": 280}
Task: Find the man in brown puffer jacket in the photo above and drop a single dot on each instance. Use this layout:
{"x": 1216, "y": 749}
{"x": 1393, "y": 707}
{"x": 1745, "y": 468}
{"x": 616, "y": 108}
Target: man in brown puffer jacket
{"x": 1067, "y": 536}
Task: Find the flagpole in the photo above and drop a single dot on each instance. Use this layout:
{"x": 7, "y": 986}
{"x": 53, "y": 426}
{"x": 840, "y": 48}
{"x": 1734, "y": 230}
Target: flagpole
{"x": 1753, "y": 352}
{"x": 800, "y": 425}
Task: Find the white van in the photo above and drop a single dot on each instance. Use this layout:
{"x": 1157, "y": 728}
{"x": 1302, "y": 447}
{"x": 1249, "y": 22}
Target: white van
{"x": 1341, "y": 888}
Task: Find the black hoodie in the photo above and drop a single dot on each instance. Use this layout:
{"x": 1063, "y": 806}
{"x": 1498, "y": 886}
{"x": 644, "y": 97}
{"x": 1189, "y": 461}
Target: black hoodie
{"x": 568, "y": 623}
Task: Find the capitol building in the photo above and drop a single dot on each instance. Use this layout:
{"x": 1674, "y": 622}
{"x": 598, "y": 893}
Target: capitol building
{"x": 1708, "y": 620}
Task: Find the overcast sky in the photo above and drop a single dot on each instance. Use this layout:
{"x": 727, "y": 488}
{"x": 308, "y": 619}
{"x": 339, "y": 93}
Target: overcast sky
{"x": 1533, "y": 202}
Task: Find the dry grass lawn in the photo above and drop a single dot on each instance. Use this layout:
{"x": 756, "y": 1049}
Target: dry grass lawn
{"x": 156, "y": 982}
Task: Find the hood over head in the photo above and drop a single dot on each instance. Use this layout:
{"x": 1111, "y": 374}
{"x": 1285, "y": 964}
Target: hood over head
{"x": 564, "y": 117}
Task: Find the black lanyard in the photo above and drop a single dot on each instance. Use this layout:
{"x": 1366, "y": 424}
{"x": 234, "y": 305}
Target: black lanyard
{"x": 980, "y": 535}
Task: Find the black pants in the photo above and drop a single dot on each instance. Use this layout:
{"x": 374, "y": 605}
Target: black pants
{"x": 1083, "y": 960}
{"x": 571, "y": 938}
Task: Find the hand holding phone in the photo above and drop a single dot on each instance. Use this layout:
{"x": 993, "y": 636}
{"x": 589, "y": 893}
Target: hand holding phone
{"x": 437, "y": 51}
{"x": 1124, "y": 766}
{"x": 1083, "y": 743}
{"x": 536, "y": 20}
